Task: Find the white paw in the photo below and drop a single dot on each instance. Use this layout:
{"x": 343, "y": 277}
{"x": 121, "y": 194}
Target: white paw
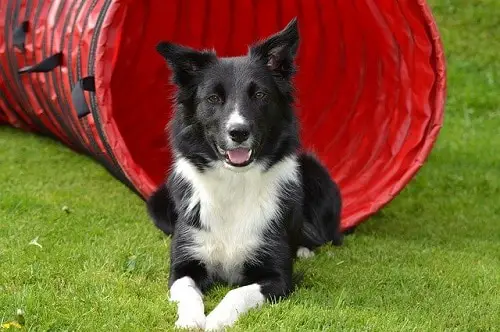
{"x": 236, "y": 302}
{"x": 303, "y": 252}
{"x": 191, "y": 322}
{"x": 218, "y": 319}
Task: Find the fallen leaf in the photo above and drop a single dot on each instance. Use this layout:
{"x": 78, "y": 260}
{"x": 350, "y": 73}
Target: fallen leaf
{"x": 34, "y": 242}
{"x": 8, "y": 325}
{"x": 131, "y": 263}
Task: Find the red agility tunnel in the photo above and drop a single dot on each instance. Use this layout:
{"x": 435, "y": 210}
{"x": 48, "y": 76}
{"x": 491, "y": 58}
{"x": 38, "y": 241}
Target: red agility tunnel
{"x": 371, "y": 82}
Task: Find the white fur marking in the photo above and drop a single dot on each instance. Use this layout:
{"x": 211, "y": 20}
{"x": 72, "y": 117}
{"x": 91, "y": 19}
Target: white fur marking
{"x": 236, "y": 117}
{"x": 304, "y": 252}
{"x": 236, "y": 303}
{"x": 236, "y": 208}
{"x": 190, "y": 309}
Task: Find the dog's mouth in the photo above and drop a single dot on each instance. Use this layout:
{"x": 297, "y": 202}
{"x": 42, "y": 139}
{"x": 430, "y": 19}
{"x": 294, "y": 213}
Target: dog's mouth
{"x": 239, "y": 157}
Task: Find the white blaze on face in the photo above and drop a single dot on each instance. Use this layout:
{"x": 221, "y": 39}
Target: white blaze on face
{"x": 235, "y": 117}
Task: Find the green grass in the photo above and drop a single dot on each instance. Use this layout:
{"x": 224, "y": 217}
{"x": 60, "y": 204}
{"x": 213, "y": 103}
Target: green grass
{"x": 430, "y": 261}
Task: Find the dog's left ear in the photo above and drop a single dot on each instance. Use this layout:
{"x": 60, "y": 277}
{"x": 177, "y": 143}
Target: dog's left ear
{"x": 185, "y": 62}
{"x": 279, "y": 50}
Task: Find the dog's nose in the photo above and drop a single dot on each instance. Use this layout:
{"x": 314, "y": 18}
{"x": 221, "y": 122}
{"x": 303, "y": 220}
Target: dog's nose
{"x": 239, "y": 133}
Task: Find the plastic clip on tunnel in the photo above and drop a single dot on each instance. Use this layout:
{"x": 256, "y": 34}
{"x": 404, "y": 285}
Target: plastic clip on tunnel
{"x": 371, "y": 83}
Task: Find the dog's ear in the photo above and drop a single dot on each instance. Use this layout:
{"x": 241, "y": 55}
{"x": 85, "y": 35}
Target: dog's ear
{"x": 184, "y": 62}
{"x": 279, "y": 50}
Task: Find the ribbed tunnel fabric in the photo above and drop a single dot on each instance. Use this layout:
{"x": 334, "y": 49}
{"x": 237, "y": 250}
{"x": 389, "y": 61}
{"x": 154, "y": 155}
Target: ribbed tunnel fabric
{"x": 370, "y": 87}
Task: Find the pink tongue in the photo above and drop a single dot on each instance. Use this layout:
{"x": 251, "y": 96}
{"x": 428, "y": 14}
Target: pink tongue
{"x": 238, "y": 156}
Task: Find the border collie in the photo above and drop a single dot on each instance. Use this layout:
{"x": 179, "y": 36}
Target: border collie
{"x": 242, "y": 200}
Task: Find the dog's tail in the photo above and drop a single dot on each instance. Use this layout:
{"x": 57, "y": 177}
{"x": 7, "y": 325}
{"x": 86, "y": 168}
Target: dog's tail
{"x": 161, "y": 209}
{"x": 322, "y": 204}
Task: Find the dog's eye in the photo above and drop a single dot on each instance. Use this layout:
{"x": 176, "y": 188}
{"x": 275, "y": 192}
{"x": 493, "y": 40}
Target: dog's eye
{"x": 214, "y": 99}
{"x": 260, "y": 95}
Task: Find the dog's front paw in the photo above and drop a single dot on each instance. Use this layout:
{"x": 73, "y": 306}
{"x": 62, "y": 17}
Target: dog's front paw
{"x": 304, "y": 252}
{"x": 191, "y": 322}
{"x": 220, "y": 318}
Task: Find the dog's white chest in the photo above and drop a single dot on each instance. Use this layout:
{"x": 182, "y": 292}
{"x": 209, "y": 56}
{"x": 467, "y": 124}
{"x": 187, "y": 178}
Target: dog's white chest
{"x": 235, "y": 210}
{"x": 225, "y": 253}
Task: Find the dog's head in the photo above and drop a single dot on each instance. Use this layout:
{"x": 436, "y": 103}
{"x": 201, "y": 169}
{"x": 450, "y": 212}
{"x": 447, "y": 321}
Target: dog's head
{"x": 235, "y": 109}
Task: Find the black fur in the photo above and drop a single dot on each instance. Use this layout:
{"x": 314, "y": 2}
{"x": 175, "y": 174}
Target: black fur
{"x": 161, "y": 209}
{"x": 322, "y": 205}
{"x": 260, "y": 84}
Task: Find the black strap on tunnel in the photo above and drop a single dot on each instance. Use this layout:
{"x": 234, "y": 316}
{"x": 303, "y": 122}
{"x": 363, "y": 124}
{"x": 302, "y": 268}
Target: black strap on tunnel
{"x": 78, "y": 98}
{"x": 19, "y": 35}
{"x": 43, "y": 66}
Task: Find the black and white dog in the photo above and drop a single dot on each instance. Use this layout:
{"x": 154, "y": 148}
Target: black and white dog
{"x": 241, "y": 201}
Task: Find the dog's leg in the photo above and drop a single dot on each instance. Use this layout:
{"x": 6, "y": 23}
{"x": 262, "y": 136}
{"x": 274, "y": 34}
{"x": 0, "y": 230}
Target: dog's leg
{"x": 161, "y": 210}
{"x": 236, "y": 302}
{"x": 188, "y": 279}
{"x": 322, "y": 204}
{"x": 189, "y": 299}
{"x": 264, "y": 286}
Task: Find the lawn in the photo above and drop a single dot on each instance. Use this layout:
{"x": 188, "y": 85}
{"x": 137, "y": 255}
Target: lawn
{"x": 77, "y": 251}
